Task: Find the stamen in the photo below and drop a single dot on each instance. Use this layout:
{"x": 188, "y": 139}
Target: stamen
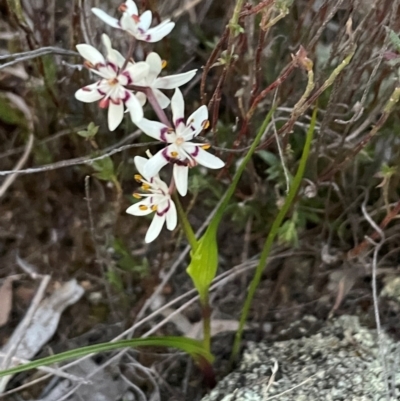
{"x": 145, "y": 187}
{"x": 205, "y": 146}
{"x": 136, "y": 195}
{"x": 138, "y": 177}
{"x": 163, "y": 64}
{"x": 174, "y": 154}
{"x": 206, "y": 124}
{"x": 143, "y": 207}
{"x": 113, "y": 81}
{"x": 154, "y": 208}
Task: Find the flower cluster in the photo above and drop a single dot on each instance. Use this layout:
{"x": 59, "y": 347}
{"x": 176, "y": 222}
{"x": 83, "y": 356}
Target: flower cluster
{"x": 126, "y": 85}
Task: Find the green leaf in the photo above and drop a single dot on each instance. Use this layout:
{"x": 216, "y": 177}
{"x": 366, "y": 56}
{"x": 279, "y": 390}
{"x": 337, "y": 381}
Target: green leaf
{"x": 394, "y": 38}
{"x": 104, "y": 168}
{"x": 192, "y": 347}
{"x": 125, "y": 260}
{"x": 204, "y": 262}
{"x": 204, "y": 258}
{"x": 10, "y": 113}
{"x": 90, "y": 132}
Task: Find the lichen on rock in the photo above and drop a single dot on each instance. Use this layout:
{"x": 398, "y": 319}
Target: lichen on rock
{"x": 342, "y": 362}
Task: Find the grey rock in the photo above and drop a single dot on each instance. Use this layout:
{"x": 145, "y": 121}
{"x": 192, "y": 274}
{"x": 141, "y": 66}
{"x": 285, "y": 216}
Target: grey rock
{"x": 342, "y": 362}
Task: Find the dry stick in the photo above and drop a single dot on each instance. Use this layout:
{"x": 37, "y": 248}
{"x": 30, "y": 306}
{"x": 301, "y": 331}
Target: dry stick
{"x": 221, "y": 280}
{"x": 11, "y": 178}
{"x": 26, "y": 321}
{"x": 297, "y": 113}
{"x": 256, "y": 9}
{"x": 378, "y": 246}
{"x": 394, "y": 98}
{"x": 99, "y": 258}
{"x": 376, "y": 234}
{"x": 77, "y": 161}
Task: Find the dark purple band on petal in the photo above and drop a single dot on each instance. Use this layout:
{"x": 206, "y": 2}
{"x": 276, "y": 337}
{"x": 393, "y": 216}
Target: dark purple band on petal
{"x": 166, "y": 155}
{"x": 127, "y": 76}
{"x": 179, "y": 121}
{"x": 196, "y": 152}
{"x": 163, "y": 134}
{"x": 113, "y": 66}
{"x": 126, "y": 97}
{"x": 101, "y": 92}
{"x": 165, "y": 211}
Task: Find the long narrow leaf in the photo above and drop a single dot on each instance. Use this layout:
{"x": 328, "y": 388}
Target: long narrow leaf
{"x": 204, "y": 261}
{"x": 193, "y": 347}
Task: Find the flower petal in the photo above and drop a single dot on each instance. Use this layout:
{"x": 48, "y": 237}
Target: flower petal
{"x": 137, "y": 209}
{"x": 88, "y": 94}
{"x": 155, "y": 228}
{"x": 115, "y": 115}
{"x": 90, "y": 54}
{"x": 131, "y": 7}
{"x": 141, "y": 97}
{"x": 206, "y": 159}
{"x": 112, "y": 55}
{"x": 178, "y": 108}
{"x": 155, "y": 66}
{"x": 129, "y": 25}
{"x": 162, "y": 99}
{"x": 134, "y": 107}
{"x": 154, "y": 129}
{"x": 140, "y": 162}
{"x": 197, "y": 119}
{"x": 174, "y": 81}
{"x": 106, "y": 18}
{"x": 158, "y": 32}
{"x": 138, "y": 71}
{"x": 155, "y": 164}
{"x": 145, "y": 20}
{"x": 172, "y": 216}
{"x": 181, "y": 178}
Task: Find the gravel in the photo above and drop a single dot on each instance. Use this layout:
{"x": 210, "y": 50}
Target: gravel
{"x": 342, "y": 362}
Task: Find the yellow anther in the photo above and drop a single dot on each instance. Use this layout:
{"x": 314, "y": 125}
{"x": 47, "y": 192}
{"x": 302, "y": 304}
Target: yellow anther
{"x": 174, "y": 154}
{"x": 206, "y": 124}
{"x": 143, "y": 207}
{"x": 206, "y": 146}
{"x": 138, "y": 177}
{"x": 145, "y": 187}
{"x": 154, "y": 208}
{"x": 163, "y": 64}
{"x": 136, "y": 195}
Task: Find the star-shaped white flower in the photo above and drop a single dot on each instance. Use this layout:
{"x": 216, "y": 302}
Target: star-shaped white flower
{"x": 110, "y": 89}
{"x": 180, "y": 151}
{"x": 153, "y": 81}
{"x": 157, "y": 199}
{"x": 135, "y": 25}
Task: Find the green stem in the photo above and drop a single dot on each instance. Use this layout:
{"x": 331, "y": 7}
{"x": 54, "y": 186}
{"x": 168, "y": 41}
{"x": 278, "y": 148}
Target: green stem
{"x": 205, "y": 304}
{"x": 235, "y": 16}
{"x": 187, "y": 228}
{"x": 272, "y": 234}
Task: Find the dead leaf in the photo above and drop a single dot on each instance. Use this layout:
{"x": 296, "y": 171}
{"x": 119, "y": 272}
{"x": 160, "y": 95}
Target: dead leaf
{"x": 6, "y": 300}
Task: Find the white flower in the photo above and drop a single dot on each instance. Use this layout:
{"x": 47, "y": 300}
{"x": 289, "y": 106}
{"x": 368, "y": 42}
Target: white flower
{"x": 137, "y": 26}
{"x": 110, "y": 89}
{"x": 167, "y": 82}
{"x": 157, "y": 200}
{"x": 180, "y": 151}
